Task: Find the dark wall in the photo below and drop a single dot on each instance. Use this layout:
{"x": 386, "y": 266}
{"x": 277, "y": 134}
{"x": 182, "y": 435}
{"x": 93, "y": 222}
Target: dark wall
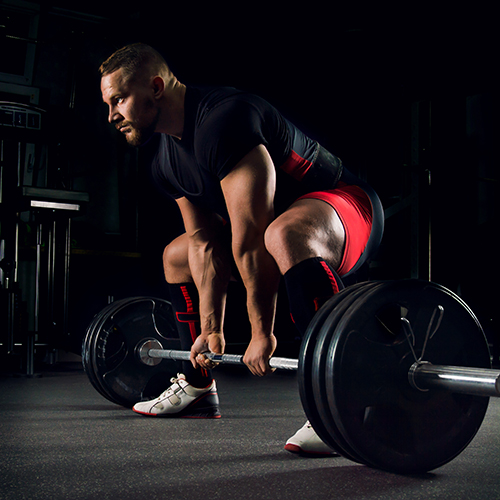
{"x": 348, "y": 76}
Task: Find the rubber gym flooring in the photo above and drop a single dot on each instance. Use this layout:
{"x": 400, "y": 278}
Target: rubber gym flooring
{"x": 60, "y": 439}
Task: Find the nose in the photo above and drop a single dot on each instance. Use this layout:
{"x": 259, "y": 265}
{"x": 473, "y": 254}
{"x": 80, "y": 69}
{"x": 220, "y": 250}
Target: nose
{"x": 113, "y": 115}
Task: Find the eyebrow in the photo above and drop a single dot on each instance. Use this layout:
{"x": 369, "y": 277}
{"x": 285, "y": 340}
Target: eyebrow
{"x": 113, "y": 97}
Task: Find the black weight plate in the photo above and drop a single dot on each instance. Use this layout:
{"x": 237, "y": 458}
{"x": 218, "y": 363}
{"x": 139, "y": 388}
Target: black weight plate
{"x": 123, "y": 378}
{"x": 320, "y": 356}
{"x": 306, "y": 356}
{"x": 115, "y": 365}
{"x": 113, "y": 351}
{"x": 88, "y": 353}
{"x": 305, "y": 371}
{"x": 389, "y": 424}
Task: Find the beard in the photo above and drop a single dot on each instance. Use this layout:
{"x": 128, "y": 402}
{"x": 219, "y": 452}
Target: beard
{"x": 137, "y": 134}
{"x": 137, "y": 137}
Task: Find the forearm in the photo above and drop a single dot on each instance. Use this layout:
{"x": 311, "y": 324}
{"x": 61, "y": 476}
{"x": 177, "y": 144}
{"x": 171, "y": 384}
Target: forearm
{"x": 210, "y": 267}
{"x": 260, "y": 276}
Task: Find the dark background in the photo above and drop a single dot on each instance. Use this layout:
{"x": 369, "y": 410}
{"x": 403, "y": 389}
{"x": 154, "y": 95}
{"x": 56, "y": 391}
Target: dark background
{"x": 348, "y": 75}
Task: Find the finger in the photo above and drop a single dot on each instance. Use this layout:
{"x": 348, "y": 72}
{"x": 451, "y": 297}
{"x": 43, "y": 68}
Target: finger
{"x": 205, "y": 362}
{"x": 195, "y": 358}
{"x": 258, "y": 371}
{"x": 266, "y": 369}
{"x": 201, "y": 360}
{"x": 192, "y": 358}
{"x": 254, "y": 368}
{"x": 254, "y": 371}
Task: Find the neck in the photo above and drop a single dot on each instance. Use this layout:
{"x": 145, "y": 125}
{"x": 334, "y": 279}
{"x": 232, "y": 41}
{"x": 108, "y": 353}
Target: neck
{"x": 171, "y": 120}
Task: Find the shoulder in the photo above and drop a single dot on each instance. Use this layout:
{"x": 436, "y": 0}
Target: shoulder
{"x": 217, "y": 102}
{"x": 224, "y": 112}
{"x": 211, "y": 97}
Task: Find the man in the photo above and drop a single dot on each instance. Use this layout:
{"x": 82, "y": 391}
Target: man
{"x": 259, "y": 200}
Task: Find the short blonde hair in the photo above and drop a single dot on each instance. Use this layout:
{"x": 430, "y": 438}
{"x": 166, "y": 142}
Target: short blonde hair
{"x": 137, "y": 61}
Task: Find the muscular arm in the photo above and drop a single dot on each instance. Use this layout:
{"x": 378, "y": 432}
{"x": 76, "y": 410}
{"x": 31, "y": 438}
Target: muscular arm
{"x": 209, "y": 263}
{"x": 249, "y": 193}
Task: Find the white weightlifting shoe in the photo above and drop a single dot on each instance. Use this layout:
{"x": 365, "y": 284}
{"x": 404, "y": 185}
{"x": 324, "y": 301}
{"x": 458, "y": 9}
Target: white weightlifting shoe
{"x": 306, "y": 442}
{"x": 182, "y": 400}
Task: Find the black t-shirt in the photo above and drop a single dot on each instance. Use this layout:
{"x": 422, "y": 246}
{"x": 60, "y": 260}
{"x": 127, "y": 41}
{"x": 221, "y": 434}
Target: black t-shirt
{"x": 222, "y": 125}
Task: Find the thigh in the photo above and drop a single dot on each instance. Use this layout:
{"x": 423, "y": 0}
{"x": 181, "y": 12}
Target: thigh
{"x": 353, "y": 206}
{"x": 308, "y": 228}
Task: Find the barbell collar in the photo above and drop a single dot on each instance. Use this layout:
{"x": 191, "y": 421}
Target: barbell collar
{"x": 474, "y": 381}
{"x": 231, "y": 359}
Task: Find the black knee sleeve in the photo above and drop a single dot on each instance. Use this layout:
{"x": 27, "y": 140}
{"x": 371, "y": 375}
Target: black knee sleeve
{"x": 185, "y": 303}
{"x": 309, "y": 285}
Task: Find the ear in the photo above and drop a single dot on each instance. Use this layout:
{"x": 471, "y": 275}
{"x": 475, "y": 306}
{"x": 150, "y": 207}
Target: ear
{"x": 158, "y": 86}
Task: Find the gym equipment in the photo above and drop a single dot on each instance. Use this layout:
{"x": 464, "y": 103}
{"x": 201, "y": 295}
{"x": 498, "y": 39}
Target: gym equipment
{"x": 368, "y": 384}
{"x": 109, "y": 355}
{"x": 395, "y": 375}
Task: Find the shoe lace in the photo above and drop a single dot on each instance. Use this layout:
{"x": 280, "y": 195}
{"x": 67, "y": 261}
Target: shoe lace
{"x": 174, "y": 381}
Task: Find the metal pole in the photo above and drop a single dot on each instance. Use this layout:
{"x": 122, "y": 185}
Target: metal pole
{"x": 67, "y": 256}
{"x": 231, "y": 359}
{"x": 474, "y": 381}
{"x": 32, "y": 336}
{"x": 422, "y": 375}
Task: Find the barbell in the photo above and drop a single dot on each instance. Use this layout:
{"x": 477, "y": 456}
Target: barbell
{"x": 422, "y": 375}
{"x": 394, "y": 375}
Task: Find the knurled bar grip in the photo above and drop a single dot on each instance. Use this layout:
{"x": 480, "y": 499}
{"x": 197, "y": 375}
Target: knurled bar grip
{"x": 230, "y": 359}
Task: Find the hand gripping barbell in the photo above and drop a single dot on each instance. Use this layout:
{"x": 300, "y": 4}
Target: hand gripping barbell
{"x": 395, "y": 375}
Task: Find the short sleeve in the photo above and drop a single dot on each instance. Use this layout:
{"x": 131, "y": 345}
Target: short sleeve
{"x": 226, "y": 133}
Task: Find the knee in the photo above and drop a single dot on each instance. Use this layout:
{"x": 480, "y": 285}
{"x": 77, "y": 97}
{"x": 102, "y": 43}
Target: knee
{"x": 291, "y": 239}
{"x": 167, "y": 257}
{"x": 284, "y": 241}
{"x": 175, "y": 262}
{"x": 168, "y": 263}
{"x": 276, "y": 236}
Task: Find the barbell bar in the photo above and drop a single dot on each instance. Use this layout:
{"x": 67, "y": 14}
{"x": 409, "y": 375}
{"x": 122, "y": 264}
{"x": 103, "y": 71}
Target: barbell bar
{"x": 229, "y": 359}
{"x": 422, "y": 375}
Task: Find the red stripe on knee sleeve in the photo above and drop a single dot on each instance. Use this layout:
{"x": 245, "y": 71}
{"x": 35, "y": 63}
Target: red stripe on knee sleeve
{"x": 190, "y": 312}
{"x": 331, "y": 277}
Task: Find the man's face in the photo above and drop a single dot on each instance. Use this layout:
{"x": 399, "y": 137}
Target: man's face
{"x": 132, "y": 108}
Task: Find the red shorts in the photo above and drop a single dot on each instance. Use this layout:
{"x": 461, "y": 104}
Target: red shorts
{"x": 355, "y": 211}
